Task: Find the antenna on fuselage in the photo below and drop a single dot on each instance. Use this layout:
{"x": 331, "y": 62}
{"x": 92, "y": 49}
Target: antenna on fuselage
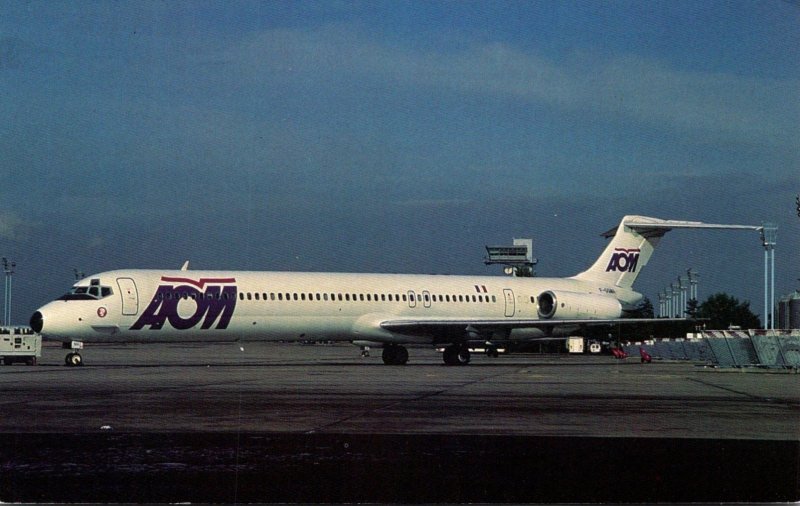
{"x": 185, "y": 266}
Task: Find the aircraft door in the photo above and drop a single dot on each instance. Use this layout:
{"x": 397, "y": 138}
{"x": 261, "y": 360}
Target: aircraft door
{"x": 509, "y": 296}
{"x": 130, "y": 297}
{"x": 426, "y": 298}
{"x": 412, "y": 299}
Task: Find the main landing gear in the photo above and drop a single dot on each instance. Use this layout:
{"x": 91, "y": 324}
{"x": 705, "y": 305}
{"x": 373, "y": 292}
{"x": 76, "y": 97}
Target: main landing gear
{"x": 456, "y": 354}
{"x": 394, "y": 354}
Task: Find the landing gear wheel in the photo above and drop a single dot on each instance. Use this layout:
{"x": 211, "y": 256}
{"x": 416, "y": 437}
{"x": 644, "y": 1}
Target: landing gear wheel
{"x": 456, "y": 354}
{"x": 395, "y": 355}
{"x": 73, "y": 359}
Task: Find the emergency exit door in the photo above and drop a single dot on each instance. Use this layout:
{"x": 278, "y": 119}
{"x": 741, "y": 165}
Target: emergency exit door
{"x": 509, "y": 296}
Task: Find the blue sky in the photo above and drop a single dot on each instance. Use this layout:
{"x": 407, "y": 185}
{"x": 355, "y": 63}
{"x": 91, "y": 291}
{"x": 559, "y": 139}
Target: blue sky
{"x": 394, "y": 136}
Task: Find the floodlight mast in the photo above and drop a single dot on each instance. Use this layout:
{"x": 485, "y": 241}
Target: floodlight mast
{"x": 9, "y": 267}
{"x": 769, "y": 235}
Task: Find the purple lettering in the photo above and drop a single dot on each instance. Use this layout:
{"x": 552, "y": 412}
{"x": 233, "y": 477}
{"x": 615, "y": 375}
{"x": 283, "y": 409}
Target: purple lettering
{"x": 215, "y": 303}
{"x": 623, "y": 262}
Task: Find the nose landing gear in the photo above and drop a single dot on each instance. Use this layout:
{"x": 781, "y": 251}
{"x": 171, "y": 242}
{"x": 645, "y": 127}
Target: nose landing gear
{"x": 73, "y": 358}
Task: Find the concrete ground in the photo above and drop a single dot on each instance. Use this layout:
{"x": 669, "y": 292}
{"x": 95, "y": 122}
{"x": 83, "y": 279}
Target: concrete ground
{"x": 269, "y": 422}
{"x": 290, "y": 388}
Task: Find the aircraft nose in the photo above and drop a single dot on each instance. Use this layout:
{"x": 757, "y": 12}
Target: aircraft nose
{"x": 37, "y": 322}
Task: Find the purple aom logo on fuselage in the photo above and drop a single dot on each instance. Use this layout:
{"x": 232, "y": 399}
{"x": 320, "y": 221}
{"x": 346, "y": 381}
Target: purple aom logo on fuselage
{"x": 624, "y": 260}
{"x": 213, "y": 299}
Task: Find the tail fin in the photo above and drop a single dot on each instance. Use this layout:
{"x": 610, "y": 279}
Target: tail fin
{"x": 632, "y": 245}
{"x": 628, "y": 252}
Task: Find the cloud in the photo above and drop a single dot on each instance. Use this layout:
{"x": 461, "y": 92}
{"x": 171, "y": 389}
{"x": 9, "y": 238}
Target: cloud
{"x": 721, "y": 106}
{"x": 11, "y": 226}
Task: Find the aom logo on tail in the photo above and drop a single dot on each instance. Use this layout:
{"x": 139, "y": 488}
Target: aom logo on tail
{"x": 624, "y": 260}
{"x": 206, "y": 299}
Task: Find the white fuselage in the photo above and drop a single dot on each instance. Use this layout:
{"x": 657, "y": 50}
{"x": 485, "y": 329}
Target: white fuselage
{"x": 151, "y": 305}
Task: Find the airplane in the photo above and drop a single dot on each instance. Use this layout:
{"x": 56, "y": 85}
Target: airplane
{"x": 390, "y": 310}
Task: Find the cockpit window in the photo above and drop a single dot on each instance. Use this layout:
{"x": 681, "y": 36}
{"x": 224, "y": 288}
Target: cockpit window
{"x": 94, "y": 292}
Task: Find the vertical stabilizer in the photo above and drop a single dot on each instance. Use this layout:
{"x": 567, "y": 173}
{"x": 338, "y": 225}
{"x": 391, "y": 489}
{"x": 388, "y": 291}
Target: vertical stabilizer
{"x": 632, "y": 244}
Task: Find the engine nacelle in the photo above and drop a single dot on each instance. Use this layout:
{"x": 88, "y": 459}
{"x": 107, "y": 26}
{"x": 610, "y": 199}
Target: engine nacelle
{"x": 573, "y": 305}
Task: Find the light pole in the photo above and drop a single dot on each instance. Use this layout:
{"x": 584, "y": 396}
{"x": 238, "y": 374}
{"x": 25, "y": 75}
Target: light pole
{"x": 682, "y": 296}
{"x": 686, "y": 286}
{"x": 674, "y": 298}
{"x": 9, "y": 269}
{"x": 693, "y": 281}
{"x": 769, "y": 235}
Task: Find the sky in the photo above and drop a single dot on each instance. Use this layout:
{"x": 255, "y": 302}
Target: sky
{"x": 395, "y": 136}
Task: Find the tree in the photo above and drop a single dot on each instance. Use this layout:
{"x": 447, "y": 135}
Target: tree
{"x": 692, "y": 306}
{"x": 641, "y": 330}
{"x": 723, "y": 311}
{"x": 644, "y": 309}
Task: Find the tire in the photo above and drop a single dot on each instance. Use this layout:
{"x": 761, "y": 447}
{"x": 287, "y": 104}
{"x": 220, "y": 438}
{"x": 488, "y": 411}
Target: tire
{"x": 456, "y": 354}
{"x": 395, "y": 355}
{"x": 74, "y": 359}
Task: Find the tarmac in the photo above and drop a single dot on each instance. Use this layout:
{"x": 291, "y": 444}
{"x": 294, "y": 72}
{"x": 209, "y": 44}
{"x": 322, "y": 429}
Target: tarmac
{"x": 274, "y": 422}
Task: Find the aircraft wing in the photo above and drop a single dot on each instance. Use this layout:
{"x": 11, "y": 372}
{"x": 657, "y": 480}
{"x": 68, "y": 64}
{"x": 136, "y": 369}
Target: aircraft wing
{"x": 458, "y": 328}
